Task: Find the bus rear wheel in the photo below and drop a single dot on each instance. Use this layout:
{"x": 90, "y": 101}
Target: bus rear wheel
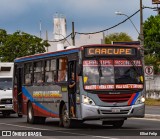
{"x": 30, "y": 114}
{"x": 34, "y": 119}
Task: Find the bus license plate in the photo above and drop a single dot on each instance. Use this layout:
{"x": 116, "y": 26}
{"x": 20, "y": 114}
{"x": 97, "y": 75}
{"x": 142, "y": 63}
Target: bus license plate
{"x": 115, "y": 110}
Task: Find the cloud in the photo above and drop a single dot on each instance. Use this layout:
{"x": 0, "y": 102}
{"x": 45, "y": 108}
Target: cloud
{"x": 88, "y": 15}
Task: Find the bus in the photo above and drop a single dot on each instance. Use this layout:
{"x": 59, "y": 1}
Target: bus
{"x": 6, "y": 76}
{"x": 109, "y": 85}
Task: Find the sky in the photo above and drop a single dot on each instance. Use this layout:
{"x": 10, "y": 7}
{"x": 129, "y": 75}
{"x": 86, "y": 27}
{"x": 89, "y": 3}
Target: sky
{"x": 87, "y": 15}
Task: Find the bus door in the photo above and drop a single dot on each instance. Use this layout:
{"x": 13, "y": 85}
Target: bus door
{"x": 71, "y": 93}
{"x": 19, "y": 90}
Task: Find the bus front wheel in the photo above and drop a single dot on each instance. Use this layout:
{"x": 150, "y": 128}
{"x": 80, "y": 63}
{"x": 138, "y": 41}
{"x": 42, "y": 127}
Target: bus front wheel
{"x": 66, "y": 121}
{"x": 116, "y": 124}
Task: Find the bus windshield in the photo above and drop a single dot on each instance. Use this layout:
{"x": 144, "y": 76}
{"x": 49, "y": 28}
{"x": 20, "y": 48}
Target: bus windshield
{"x": 5, "y": 83}
{"x": 112, "y": 72}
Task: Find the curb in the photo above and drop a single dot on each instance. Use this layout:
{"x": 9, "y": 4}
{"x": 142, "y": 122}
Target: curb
{"x": 152, "y": 116}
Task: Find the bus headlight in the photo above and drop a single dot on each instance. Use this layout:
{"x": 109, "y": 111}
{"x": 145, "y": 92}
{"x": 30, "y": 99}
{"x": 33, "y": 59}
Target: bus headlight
{"x": 140, "y": 100}
{"x": 87, "y": 100}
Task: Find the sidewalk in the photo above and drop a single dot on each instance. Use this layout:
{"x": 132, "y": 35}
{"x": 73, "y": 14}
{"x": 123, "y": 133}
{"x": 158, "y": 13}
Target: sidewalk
{"x": 154, "y": 116}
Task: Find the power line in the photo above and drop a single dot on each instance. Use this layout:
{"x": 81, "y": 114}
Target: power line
{"x": 104, "y": 29}
{"x": 110, "y": 27}
{"x": 62, "y": 39}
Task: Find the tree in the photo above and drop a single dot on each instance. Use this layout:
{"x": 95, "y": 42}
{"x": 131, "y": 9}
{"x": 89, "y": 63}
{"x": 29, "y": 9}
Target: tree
{"x": 152, "y": 60}
{"x": 117, "y": 37}
{"x": 152, "y": 35}
{"x": 152, "y": 41}
{"x": 3, "y": 36}
{"x": 19, "y": 44}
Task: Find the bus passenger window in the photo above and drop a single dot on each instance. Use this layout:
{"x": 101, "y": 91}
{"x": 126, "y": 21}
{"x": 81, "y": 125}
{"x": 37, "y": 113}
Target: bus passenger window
{"x": 38, "y": 70}
{"x": 62, "y": 69}
{"x": 62, "y": 75}
{"x": 28, "y": 73}
{"x": 50, "y": 70}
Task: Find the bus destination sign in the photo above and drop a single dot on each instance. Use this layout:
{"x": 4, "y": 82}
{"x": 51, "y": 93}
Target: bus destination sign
{"x": 110, "y": 51}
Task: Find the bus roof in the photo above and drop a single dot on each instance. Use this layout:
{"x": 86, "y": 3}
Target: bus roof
{"x": 65, "y": 52}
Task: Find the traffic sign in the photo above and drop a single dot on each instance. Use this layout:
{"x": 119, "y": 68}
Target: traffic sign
{"x": 148, "y": 72}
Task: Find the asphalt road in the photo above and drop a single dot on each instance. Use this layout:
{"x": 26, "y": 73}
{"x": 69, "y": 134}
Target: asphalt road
{"x": 152, "y": 110}
{"x": 89, "y": 130}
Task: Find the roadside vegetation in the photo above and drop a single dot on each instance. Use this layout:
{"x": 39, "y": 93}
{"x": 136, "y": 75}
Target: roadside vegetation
{"x": 152, "y": 102}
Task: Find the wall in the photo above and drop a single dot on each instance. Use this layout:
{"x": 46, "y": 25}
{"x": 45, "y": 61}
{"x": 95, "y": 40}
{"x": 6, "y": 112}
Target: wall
{"x": 153, "y": 87}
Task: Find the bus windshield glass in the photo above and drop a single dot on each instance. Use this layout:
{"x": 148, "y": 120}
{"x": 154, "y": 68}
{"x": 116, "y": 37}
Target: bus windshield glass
{"x": 92, "y": 73}
{"x": 5, "y": 83}
{"x": 114, "y": 74}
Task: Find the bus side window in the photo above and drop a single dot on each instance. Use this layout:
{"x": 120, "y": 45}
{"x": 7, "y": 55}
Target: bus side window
{"x": 28, "y": 73}
{"x": 38, "y": 72}
{"x": 50, "y": 70}
{"x": 62, "y": 69}
{"x": 62, "y": 75}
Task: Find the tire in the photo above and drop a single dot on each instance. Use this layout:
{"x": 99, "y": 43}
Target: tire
{"x": 118, "y": 124}
{"x": 30, "y": 114}
{"x": 20, "y": 115}
{"x": 115, "y": 124}
{"x": 34, "y": 119}
{"x": 5, "y": 113}
{"x": 66, "y": 121}
{"x": 40, "y": 120}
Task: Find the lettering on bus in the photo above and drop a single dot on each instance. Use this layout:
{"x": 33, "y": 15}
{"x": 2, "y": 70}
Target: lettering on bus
{"x": 99, "y": 87}
{"x": 128, "y": 86}
{"x": 95, "y": 62}
{"x": 110, "y": 86}
{"x": 127, "y": 63}
{"x": 109, "y": 51}
{"x": 47, "y": 94}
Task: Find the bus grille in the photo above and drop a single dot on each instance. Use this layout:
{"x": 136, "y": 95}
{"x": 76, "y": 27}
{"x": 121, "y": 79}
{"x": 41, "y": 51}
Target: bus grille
{"x": 110, "y": 112}
{"x": 114, "y": 97}
{"x": 6, "y": 101}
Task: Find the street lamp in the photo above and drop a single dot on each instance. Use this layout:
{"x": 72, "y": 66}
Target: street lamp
{"x": 119, "y": 13}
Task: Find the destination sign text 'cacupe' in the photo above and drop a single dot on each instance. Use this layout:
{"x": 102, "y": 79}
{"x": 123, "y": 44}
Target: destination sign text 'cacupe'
{"x": 109, "y": 51}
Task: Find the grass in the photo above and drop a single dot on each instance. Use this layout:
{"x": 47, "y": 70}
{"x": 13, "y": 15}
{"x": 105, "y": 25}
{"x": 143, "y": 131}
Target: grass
{"x": 152, "y": 102}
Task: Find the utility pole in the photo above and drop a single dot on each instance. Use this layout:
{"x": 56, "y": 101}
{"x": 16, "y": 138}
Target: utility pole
{"x": 47, "y": 38}
{"x": 142, "y": 40}
{"x": 73, "y": 34}
{"x": 141, "y": 25}
{"x": 40, "y": 29}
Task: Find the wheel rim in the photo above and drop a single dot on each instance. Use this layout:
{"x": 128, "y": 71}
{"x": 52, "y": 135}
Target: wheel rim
{"x": 30, "y": 113}
{"x": 65, "y": 117}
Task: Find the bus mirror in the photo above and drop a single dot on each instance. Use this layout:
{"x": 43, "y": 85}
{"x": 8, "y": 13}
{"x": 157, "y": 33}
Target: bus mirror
{"x": 79, "y": 70}
{"x": 141, "y": 78}
{"x": 85, "y": 79}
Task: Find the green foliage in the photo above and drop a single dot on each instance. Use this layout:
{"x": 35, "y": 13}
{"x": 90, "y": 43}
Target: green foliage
{"x": 19, "y": 44}
{"x": 117, "y": 37}
{"x": 152, "y": 35}
{"x": 152, "y": 60}
{"x": 152, "y": 41}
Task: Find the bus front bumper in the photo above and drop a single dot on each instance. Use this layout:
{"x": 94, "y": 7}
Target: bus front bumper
{"x": 90, "y": 112}
{"x": 7, "y": 107}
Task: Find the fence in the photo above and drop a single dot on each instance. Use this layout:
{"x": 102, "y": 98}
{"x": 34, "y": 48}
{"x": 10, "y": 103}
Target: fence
{"x": 153, "y": 87}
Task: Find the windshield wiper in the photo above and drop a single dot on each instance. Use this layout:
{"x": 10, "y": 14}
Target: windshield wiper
{"x": 99, "y": 69}
{"x": 134, "y": 66}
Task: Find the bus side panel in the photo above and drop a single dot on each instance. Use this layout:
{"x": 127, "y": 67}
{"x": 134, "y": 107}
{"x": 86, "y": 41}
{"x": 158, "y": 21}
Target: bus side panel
{"x": 45, "y": 99}
{"x": 24, "y": 104}
{"x": 15, "y": 108}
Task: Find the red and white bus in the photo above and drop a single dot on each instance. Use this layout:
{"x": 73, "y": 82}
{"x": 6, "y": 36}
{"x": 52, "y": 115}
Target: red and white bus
{"x": 109, "y": 85}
